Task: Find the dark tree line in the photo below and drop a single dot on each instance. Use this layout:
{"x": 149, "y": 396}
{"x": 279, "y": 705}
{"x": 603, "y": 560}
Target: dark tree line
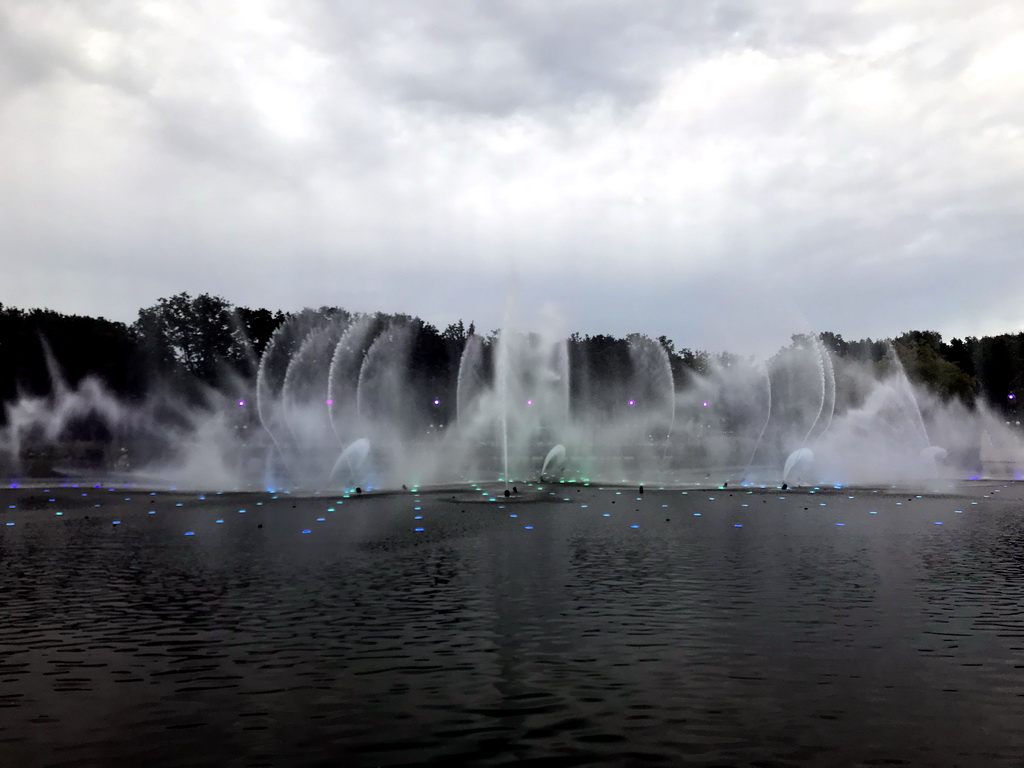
{"x": 186, "y": 343}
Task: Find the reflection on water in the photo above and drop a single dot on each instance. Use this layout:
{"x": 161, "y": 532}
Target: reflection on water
{"x": 733, "y": 628}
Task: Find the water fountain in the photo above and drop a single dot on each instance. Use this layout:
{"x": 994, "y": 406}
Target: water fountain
{"x": 800, "y": 464}
{"x": 342, "y": 401}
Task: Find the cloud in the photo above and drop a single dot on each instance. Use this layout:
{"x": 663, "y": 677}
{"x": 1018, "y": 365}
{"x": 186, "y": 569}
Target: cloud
{"x": 698, "y": 170}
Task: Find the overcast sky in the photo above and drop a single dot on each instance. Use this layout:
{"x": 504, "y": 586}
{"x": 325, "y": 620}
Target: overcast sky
{"x": 723, "y": 172}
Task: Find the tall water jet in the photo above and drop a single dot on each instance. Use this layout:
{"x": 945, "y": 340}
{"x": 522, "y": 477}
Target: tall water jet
{"x": 343, "y": 378}
{"x": 764, "y": 427}
{"x": 471, "y": 380}
{"x": 828, "y": 386}
{"x": 270, "y": 384}
{"x": 908, "y": 401}
{"x": 531, "y": 380}
{"x": 304, "y": 400}
{"x": 804, "y": 457}
{"x": 389, "y": 411}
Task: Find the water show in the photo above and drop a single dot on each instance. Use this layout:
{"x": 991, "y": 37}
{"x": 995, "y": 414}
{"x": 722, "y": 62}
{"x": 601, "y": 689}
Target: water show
{"x": 339, "y": 401}
{"x": 511, "y": 384}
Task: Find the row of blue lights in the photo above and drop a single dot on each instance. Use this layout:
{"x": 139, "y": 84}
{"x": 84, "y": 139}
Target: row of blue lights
{"x": 419, "y": 508}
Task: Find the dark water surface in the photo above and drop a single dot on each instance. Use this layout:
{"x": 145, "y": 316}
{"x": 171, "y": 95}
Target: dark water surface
{"x": 728, "y": 628}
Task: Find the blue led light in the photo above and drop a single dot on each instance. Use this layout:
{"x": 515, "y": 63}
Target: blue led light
{"x": 528, "y": 527}
{"x": 115, "y": 522}
{"x": 872, "y": 512}
{"x": 738, "y": 525}
{"x": 306, "y": 530}
{"x": 190, "y": 533}
{"x": 938, "y": 522}
{"x": 418, "y": 517}
{"x": 320, "y": 519}
{"x": 696, "y": 514}
{"x": 420, "y": 529}
{"x": 10, "y": 524}
{"x": 634, "y": 525}
{"x": 606, "y": 514}
{"x": 840, "y": 523}
{"x": 220, "y": 521}
{"x": 513, "y": 515}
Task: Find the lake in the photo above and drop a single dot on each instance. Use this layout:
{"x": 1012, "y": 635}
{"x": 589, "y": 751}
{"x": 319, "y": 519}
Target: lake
{"x": 566, "y": 625}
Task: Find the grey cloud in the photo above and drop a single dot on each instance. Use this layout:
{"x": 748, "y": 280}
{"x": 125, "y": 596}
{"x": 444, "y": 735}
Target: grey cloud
{"x": 689, "y": 169}
{"x": 502, "y": 58}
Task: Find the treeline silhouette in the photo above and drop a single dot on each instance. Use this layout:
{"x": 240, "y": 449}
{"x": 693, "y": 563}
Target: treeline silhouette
{"x": 187, "y": 344}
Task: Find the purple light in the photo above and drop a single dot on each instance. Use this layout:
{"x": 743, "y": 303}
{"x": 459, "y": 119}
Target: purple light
{"x": 632, "y": 402}
{"x": 705, "y": 403}
{"x": 529, "y": 402}
{"x": 436, "y": 401}
{"x": 328, "y": 401}
{"x": 1011, "y": 396}
{"x": 241, "y": 402}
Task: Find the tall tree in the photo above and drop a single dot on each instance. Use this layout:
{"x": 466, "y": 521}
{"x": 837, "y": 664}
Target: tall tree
{"x": 192, "y": 334}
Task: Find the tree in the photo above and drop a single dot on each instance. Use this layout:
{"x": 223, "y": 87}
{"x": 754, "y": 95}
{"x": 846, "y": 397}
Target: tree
{"x": 80, "y": 346}
{"x": 834, "y": 343}
{"x": 195, "y": 335}
{"x": 252, "y": 331}
{"x": 455, "y": 334}
{"x": 257, "y": 326}
{"x": 919, "y": 351}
